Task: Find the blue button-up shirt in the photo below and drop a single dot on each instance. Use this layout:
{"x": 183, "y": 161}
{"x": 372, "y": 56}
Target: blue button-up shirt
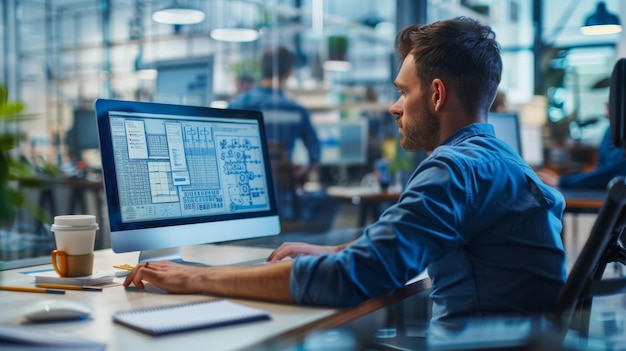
{"x": 476, "y": 216}
{"x": 611, "y": 163}
{"x": 285, "y": 120}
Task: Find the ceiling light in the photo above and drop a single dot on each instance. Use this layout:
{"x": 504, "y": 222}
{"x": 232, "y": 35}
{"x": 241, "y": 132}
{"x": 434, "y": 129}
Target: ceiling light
{"x": 239, "y": 35}
{"x": 219, "y": 104}
{"x": 337, "y": 65}
{"x": 177, "y": 14}
{"x": 601, "y": 22}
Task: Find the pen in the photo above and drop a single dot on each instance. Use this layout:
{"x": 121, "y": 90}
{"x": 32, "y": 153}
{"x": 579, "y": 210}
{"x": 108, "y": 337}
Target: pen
{"x": 69, "y": 287}
{"x": 33, "y": 290}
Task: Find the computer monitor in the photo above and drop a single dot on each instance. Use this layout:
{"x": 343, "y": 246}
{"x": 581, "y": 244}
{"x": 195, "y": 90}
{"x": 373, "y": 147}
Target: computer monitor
{"x": 342, "y": 143}
{"x": 183, "y": 175}
{"x": 507, "y": 128}
{"x": 83, "y": 135}
{"x": 353, "y": 142}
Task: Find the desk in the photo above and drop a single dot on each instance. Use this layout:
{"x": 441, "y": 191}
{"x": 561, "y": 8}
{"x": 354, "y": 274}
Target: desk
{"x": 576, "y": 201}
{"x": 583, "y": 201}
{"x": 364, "y": 197}
{"x": 289, "y": 323}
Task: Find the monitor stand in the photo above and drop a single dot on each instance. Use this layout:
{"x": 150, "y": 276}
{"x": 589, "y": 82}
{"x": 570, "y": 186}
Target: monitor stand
{"x": 169, "y": 254}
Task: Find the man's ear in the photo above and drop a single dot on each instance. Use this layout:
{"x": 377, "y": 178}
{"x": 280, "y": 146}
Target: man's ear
{"x": 438, "y": 94}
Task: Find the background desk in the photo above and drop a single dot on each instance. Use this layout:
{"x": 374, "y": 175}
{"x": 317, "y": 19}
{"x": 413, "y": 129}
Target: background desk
{"x": 367, "y": 198}
{"x": 576, "y": 201}
{"x": 583, "y": 201}
{"x": 289, "y": 324}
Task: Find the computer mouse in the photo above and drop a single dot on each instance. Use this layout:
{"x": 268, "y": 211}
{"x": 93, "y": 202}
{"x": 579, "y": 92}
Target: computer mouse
{"x": 58, "y": 310}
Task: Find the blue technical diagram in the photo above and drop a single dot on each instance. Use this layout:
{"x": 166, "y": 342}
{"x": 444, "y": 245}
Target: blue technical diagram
{"x": 178, "y": 168}
{"x": 241, "y": 163}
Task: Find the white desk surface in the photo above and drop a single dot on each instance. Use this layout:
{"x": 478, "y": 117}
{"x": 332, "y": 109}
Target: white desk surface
{"x": 287, "y": 321}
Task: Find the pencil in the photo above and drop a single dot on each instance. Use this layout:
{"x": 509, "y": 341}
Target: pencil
{"x": 124, "y": 266}
{"x": 69, "y": 287}
{"x": 33, "y": 290}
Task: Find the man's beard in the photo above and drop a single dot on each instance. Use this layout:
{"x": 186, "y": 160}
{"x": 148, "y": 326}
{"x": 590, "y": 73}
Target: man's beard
{"x": 424, "y": 137}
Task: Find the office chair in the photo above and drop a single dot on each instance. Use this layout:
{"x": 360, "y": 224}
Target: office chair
{"x": 605, "y": 243}
{"x": 586, "y": 278}
{"x": 285, "y": 186}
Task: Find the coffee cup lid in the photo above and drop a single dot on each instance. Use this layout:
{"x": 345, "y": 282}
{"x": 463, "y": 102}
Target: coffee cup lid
{"x": 74, "y": 222}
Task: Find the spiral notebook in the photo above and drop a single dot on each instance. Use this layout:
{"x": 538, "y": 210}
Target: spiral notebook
{"x": 190, "y": 316}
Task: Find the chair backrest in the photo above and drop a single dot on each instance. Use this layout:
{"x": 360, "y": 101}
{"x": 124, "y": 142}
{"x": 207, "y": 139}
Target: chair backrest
{"x": 604, "y": 245}
{"x": 285, "y": 184}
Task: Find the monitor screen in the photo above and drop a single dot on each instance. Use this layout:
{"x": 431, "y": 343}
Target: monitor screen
{"x": 83, "y": 135}
{"x": 342, "y": 143}
{"x": 183, "y": 175}
{"x": 507, "y": 128}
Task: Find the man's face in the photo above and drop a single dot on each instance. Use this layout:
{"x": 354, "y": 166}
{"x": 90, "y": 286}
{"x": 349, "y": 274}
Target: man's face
{"x": 417, "y": 122}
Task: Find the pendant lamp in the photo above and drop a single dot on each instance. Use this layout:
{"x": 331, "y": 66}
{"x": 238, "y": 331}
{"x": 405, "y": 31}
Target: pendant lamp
{"x": 177, "y": 14}
{"x": 601, "y": 22}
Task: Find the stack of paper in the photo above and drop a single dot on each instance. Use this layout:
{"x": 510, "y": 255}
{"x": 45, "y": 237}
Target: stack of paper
{"x": 51, "y": 277}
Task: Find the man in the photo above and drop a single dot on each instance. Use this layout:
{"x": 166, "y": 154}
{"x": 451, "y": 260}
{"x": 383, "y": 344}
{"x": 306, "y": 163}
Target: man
{"x": 611, "y": 163}
{"x": 473, "y": 212}
{"x": 286, "y": 121}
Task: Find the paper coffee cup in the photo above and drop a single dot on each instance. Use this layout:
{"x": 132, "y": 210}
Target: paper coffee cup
{"x": 75, "y": 234}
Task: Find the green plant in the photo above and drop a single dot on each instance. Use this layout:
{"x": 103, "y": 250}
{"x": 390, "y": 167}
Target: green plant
{"x": 12, "y": 167}
{"x": 402, "y": 163}
{"x": 401, "y": 160}
{"x": 337, "y": 47}
{"x": 481, "y": 9}
{"x": 247, "y": 68}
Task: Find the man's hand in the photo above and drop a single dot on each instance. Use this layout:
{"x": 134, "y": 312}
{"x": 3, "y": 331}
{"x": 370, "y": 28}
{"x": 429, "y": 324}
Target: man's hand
{"x": 166, "y": 275}
{"x": 549, "y": 177}
{"x": 294, "y": 249}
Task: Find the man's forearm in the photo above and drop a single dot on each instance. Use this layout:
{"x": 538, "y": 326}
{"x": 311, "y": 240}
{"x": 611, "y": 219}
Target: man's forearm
{"x": 343, "y": 246}
{"x": 269, "y": 282}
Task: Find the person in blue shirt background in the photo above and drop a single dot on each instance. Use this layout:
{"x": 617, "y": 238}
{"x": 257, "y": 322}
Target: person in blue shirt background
{"x": 286, "y": 121}
{"x": 610, "y": 164}
{"x": 473, "y": 212}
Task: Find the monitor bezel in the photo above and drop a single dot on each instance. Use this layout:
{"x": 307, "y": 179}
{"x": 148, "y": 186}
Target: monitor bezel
{"x": 133, "y": 236}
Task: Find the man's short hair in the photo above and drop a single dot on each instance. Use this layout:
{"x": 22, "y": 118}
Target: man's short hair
{"x": 276, "y": 62}
{"x": 459, "y": 51}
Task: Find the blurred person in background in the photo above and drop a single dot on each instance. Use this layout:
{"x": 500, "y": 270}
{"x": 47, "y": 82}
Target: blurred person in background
{"x": 286, "y": 121}
{"x": 610, "y": 164}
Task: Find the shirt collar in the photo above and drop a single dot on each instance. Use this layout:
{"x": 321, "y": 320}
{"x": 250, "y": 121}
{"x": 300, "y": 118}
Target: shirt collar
{"x": 270, "y": 90}
{"x": 472, "y": 130}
